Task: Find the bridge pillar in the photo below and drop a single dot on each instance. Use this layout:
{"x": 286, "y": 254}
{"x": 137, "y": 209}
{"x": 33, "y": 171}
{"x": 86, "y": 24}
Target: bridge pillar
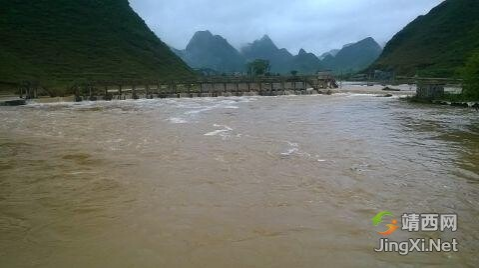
{"x": 134, "y": 95}
{"x": 429, "y": 91}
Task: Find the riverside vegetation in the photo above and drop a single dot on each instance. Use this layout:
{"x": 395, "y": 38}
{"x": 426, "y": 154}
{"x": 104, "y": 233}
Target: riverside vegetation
{"x": 470, "y": 74}
{"x": 470, "y": 86}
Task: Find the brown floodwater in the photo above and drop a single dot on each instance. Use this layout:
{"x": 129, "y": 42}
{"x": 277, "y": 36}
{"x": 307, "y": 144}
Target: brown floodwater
{"x": 287, "y": 181}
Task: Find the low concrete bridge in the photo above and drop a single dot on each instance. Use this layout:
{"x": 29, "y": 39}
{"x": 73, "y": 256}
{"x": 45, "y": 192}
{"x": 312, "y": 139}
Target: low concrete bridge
{"x": 203, "y": 87}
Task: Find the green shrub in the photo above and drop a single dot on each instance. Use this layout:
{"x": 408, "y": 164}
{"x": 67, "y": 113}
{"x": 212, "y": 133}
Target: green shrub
{"x": 470, "y": 74}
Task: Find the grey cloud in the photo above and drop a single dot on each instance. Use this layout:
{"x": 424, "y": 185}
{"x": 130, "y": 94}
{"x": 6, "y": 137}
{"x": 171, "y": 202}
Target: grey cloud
{"x": 315, "y": 25}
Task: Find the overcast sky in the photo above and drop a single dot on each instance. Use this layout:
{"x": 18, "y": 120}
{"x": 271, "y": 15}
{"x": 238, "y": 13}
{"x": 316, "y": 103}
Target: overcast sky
{"x": 315, "y": 25}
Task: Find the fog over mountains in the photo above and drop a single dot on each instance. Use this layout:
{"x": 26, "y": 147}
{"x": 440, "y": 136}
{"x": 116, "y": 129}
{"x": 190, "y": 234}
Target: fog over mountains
{"x": 315, "y": 25}
{"x": 354, "y": 57}
{"x": 264, "y": 48}
{"x": 208, "y": 51}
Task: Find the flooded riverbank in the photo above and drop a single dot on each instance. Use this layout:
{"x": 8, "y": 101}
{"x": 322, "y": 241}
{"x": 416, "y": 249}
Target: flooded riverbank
{"x": 289, "y": 181}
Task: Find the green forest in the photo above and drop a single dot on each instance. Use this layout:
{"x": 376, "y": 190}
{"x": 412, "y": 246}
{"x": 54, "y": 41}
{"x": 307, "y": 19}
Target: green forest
{"x": 434, "y": 45}
{"x": 57, "y": 42}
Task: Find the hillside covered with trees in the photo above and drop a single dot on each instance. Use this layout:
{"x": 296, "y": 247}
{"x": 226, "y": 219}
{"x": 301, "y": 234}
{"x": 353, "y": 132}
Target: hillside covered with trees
{"x": 436, "y": 44}
{"x": 59, "y": 41}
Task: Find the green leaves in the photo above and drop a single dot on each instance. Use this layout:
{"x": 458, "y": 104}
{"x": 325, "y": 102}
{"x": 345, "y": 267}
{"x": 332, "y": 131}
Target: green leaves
{"x": 258, "y": 67}
{"x": 470, "y": 74}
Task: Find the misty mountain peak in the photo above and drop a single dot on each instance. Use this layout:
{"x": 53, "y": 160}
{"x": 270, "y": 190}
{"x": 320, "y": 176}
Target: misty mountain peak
{"x": 354, "y": 57}
{"x": 263, "y": 48}
{"x": 265, "y": 41}
{"x": 302, "y": 51}
{"x": 285, "y": 52}
{"x": 369, "y": 40}
{"x": 266, "y": 38}
{"x": 204, "y": 39}
{"x": 200, "y": 34}
{"x": 206, "y": 50}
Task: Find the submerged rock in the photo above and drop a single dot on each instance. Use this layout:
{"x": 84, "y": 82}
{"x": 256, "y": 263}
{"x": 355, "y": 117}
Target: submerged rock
{"x": 13, "y": 103}
{"x": 385, "y": 96}
{"x": 390, "y": 89}
{"x": 460, "y": 104}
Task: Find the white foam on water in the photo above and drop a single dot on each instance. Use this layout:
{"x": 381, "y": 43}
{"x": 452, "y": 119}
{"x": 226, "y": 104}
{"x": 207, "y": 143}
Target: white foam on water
{"x": 294, "y": 144}
{"x": 199, "y": 110}
{"x": 216, "y": 132}
{"x": 362, "y": 95}
{"x": 177, "y": 120}
{"x": 290, "y": 152}
{"x": 225, "y": 129}
{"x": 294, "y": 149}
{"x": 80, "y": 172}
{"x": 33, "y": 103}
{"x": 212, "y": 107}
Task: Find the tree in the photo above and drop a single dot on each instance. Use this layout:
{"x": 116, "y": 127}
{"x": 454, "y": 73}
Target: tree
{"x": 294, "y": 73}
{"x": 258, "y": 67}
{"x": 470, "y": 74}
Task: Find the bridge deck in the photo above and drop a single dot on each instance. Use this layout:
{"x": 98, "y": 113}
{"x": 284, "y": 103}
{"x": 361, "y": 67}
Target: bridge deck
{"x": 200, "y": 87}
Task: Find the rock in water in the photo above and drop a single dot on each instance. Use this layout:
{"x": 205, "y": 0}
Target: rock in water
{"x": 13, "y": 103}
{"x": 390, "y": 89}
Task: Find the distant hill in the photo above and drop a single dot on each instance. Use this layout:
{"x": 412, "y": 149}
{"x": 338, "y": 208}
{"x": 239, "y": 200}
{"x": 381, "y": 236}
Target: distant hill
{"x": 435, "y": 44}
{"x": 332, "y": 52}
{"x": 264, "y": 48}
{"x": 208, "y": 51}
{"x": 353, "y": 57}
{"x": 65, "y": 40}
{"x": 281, "y": 60}
{"x": 212, "y": 54}
{"x": 306, "y": 63}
